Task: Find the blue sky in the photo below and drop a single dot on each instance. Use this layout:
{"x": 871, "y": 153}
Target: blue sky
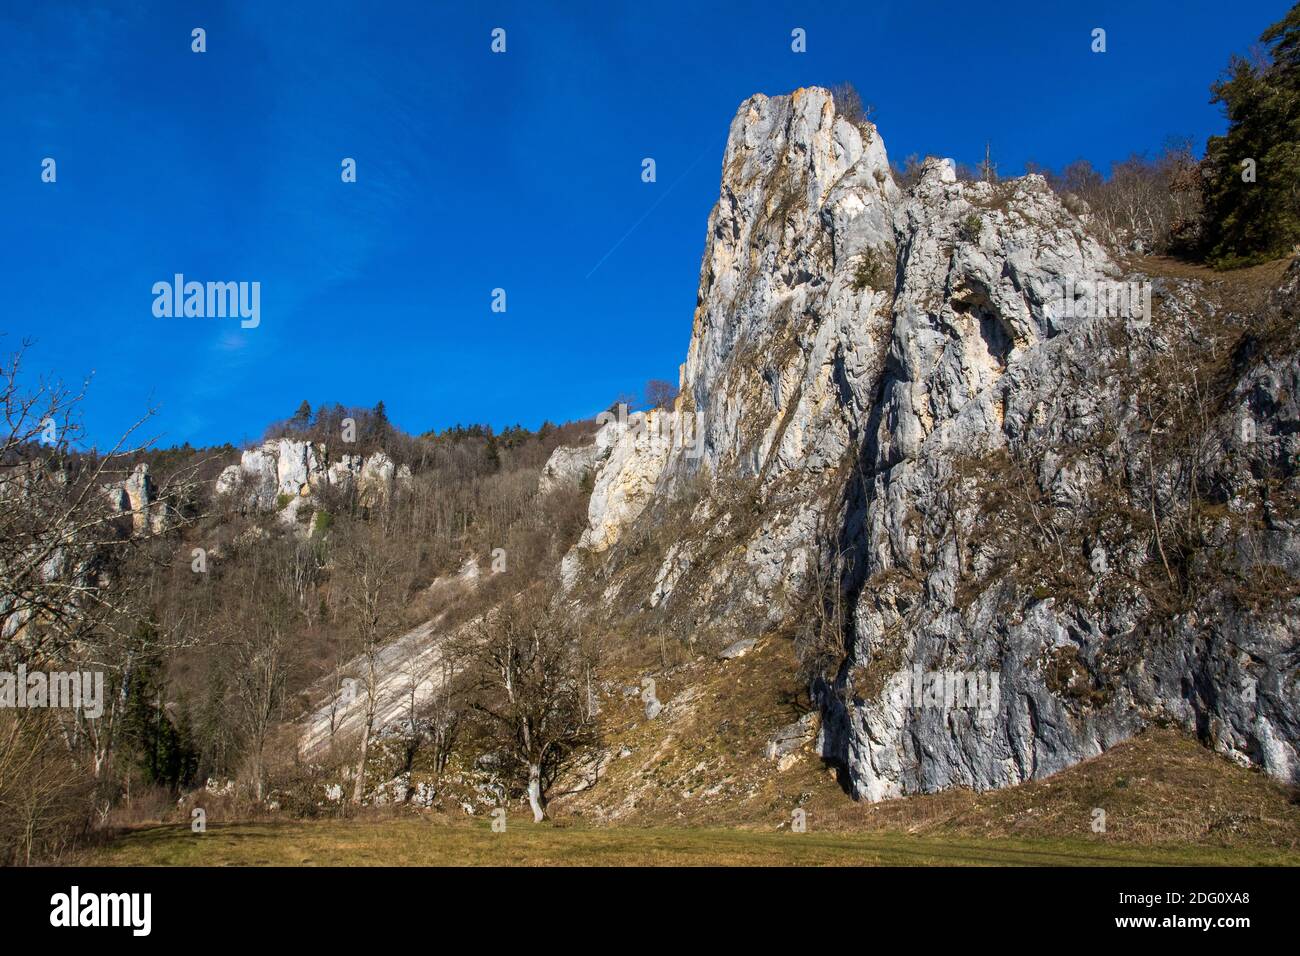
{"x": 479, "y": 171}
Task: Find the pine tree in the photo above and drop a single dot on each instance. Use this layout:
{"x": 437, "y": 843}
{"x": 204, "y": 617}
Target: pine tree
{"x": 380, "y": 428}
{"x": 302, "y": 417}
{"x": 1252, "y": 172}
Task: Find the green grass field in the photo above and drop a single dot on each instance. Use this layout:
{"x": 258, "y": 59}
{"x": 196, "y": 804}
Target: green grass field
{"x": 419, "y": 843}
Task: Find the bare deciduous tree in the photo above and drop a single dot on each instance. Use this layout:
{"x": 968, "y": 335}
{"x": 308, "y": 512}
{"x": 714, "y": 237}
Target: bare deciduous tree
{"x": 44, "y": 795}
{"x": 530, "y": 671}
{"x": 660, "y": 394}
{"x": 371, "y": 586}
{"x": 58, "y": 531}
{"x": 70, "y": 588}
{"x": 259, "y": 637}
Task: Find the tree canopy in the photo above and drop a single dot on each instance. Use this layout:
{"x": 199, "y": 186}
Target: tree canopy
{"x": 1252, "y": 172}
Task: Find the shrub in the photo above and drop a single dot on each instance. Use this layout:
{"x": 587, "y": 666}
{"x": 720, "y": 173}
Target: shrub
{"x": 848, "y": 104}
{"x": 46, "y": 795}
{"x": 874, "y": 271}
{"x": 321, "y": 524}
{"x": 909, "y": 173}
{"x": 1146, "y": 205}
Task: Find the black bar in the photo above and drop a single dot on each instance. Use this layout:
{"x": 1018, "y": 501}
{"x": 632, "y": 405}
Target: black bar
{"x": 362, "y": 905}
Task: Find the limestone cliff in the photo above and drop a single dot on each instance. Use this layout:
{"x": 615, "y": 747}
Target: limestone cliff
{"x": 928, "y": 398}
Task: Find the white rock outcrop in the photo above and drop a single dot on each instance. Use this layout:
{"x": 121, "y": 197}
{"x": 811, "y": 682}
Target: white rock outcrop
{"x": 287, "y": 474}
{"x": 297, "y": 466}
{"x": 344, "y": 472}
{"x": 569, "y": 465}
{"x": 136, "y": 495}
{"x": 786, "y": 343}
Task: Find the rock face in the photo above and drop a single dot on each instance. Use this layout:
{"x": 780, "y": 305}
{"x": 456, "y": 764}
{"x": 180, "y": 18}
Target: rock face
{"x": 633, "y": 454}
{"x": 299, "y": 469}
{"x": 785, "y": 350}
{"x": 296, "y": 465}
{"x": 137, "y": 496}
{"x": 343, "y": 473}
{"x": 568, "y": 466}
{"x": 788, "y": 739}
{"x": 1010, "y": 493}
{"x": 413, "y": 669}
{"x": 376, "y": 479}
{"x": 255, "y": 477}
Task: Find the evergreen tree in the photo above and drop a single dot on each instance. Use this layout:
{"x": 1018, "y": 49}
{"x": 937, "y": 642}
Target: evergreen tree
{"x": 1252, "y": 209}
{"x": 302, "y": 417}
{"x": 380, "y": 428}
{"x": 162, "y": 752}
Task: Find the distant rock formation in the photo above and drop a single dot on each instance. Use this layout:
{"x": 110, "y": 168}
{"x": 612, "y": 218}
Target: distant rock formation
{"x": 285, "y": 474}
{"x": 137, "y": 496}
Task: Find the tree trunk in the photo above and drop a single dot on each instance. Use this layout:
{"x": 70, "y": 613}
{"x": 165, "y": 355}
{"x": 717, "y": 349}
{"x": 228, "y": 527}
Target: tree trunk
{"x": 360, "y": 787}
{"x": 257, "y": 774}
{"x": 535, "y": 798}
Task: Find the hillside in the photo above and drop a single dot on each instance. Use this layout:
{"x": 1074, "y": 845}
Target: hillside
{"x": 963, "y": 522}
{"x": 898, "y": 445}
{"x": 916, "y": 434}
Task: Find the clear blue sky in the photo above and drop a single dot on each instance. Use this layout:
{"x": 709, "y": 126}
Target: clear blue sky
{"x": 478, "y": 171}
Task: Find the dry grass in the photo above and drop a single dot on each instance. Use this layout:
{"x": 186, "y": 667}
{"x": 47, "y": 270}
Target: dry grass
{"x": 420, "y": 843}
{"x": 1241, "y": 290}
{"x": 701, "y": 760}
{"x": 1159, "y": 788}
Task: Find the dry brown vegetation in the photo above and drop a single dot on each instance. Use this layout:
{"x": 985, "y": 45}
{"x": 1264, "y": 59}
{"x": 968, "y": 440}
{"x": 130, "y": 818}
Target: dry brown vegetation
{"x": 214, "y": 632}
{"x": 1160, "y": 787}
{"x": 701, "y": 763}
{"x": 696, "y": 786}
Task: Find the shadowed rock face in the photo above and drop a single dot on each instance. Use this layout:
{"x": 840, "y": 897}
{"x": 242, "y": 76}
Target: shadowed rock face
{"x": 894, "y": 377}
